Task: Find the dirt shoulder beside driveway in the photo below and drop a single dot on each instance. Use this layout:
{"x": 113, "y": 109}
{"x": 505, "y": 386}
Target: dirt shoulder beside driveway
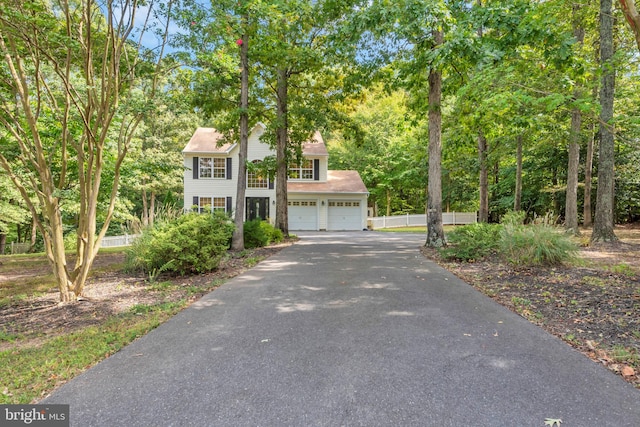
{"x": 594, "y": 305}
{"x": 27, "y": 321}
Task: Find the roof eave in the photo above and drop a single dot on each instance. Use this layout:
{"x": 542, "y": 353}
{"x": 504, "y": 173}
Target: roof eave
{"x": 227, "y": 151}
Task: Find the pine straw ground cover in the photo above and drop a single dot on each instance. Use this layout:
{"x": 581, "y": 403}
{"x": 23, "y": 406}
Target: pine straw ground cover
{"x": 593, "y": 304}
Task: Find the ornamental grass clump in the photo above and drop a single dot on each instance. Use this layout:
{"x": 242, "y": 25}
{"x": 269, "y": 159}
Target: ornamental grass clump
{"x": 530, "y": 245}
{"x": 535, "y": 244}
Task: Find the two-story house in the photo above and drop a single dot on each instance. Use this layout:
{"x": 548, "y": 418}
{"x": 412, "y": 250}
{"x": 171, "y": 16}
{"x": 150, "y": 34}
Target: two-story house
{"x": 318, "y": 198}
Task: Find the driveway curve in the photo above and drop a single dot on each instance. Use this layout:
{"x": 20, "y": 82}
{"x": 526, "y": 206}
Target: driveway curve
{"x": 348, "y": 329}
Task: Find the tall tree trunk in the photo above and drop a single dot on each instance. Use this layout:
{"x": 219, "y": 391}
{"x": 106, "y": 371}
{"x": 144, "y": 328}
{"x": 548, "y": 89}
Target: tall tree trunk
{"x": 3, "y": 242}
{"x": 388, "y": 202}
{"x": 588, "y": 169}
{"x": 282, "y": 137}
{"x": 145, "y": 208}
{"x": 152, "y": 209}
{"x": 483, "y": 214}
{"x": 603, "y": 224}
{"x": 571, "y": 198}
{"x": 34, "y": 234}
{"x": 435, "y": 232}
{"x": 517, "y": 199}
{"x": 237, "y": 240}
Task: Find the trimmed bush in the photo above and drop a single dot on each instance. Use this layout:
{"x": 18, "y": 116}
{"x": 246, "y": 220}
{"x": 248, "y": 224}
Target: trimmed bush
{"x": 258, "y": 233}
{"x": 472, "y": 242}
{"x": 192, "y": 243}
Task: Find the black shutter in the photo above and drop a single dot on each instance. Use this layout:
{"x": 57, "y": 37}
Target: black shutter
{"x": 229, "y": 167}
{"x": 316, "y": 169}
{"x": 196, "y": 203}
{"x": 229, "y": 205}
{"x": 271, "y": 182}
{"x": 196, "y": 167}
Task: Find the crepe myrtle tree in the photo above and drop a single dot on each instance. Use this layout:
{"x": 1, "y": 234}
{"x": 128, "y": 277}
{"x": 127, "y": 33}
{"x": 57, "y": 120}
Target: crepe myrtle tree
{"x": 70, "y": 105}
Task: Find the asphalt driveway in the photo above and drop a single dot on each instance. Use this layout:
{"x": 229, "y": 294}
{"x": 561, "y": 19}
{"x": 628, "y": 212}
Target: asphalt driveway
{"x": 348, "y": 329}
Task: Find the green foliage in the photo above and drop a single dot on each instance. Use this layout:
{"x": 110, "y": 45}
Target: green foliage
{"x": 518, "y": 244}
{"x": 535, "y": 244}
{"x": 472, "y": 242}
{"x": 258, "y": 233}
{"x": 193, "y": 243}
{"x": 512, "y": 218}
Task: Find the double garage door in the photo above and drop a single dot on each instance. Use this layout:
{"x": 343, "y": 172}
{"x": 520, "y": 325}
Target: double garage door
{"x": 341, "y": 215}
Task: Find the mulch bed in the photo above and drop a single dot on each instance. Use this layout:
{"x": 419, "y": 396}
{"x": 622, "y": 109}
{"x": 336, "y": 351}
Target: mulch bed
{"x": 594, "y": 310}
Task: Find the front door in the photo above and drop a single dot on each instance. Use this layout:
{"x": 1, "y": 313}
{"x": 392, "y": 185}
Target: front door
{"x": 257, "y": 207}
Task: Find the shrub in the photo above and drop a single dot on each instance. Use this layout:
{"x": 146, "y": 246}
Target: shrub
{"x": 192, "y": 243}
{"x": 517, "y": 244}
{"x": 513, "y": 218}
{"x": 275, "y": 234}
{"x": 258, "y": 233}
{"x": 472, "y": 242}
{"x": 535, "y": 244}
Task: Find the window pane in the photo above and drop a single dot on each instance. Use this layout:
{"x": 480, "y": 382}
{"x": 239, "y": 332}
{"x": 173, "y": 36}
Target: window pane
{"x": 205, "y": 167}
{"x": 256, "y": 180}
{"x": 219, "y": 167}
{"x": 219, "y": 204}
{"x": 205, "y": 204}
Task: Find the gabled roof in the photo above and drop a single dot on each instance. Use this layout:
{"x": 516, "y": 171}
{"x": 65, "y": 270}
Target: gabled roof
{"x": 315, "y": 147}
{"x": 346, "y": 182}
{"x": 207, "y": 140}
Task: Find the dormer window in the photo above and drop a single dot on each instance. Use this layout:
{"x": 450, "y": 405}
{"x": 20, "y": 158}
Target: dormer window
{"x": 302, "y": 171}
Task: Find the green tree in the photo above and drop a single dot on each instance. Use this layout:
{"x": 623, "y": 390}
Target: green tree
{"x": 70, "y": 106}
{"x": 604, "y": 221}
{"x": 386, "y": 152}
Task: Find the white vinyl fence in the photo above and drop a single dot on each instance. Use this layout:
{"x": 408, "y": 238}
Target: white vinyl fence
{"x": 448, "y": 218}
{"x": 20, "y": 248}
{"x": 114, "y": 241}
{"x": 107, "y": 242}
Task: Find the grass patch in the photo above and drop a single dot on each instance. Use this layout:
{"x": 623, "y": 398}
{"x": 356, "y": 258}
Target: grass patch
{"x": 622, "y": 354}
{"x": 622, "y": 269}
{"x": 28, "y": 374}
{"x": 252, "y": 261}
{"x": 23, "y": 288}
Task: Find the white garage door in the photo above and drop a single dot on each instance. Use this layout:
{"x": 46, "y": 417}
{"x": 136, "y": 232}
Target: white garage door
{"x": 303, "y": 215}
{"x": 344, "y": 215}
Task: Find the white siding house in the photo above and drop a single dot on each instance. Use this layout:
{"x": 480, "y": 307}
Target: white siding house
{"x": 318, "y": 199}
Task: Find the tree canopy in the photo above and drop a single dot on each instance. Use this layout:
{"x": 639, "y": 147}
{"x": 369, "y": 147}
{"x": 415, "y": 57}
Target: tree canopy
{"x": 488, "y": 106}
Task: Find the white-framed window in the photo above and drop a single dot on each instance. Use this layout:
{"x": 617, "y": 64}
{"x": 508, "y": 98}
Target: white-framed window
{"x": 220, "y": 204}
{"x": 212, "y": 204}
{"x": 204, "y": 204}
{"x": 213, "y": 167}
{"x": 257, "y": 179}
{"x": 303, "y": 170}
